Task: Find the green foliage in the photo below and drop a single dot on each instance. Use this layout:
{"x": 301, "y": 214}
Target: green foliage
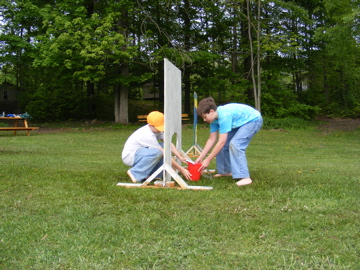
{"x": 340, "y": 56}
{"x": 212, "y": 77}
{"x": 82, "y": 45}
{"x": 356, "y": 110}
{"x": 41, "y": 110}
{"x": 334, "y": 110}
{"x": 309, "y": 53}
{"x": 303, "y": 111}
{"x": 287, "y": 123}
{"x": 283, "y": 107}
{"x": 58, "y": 104}
{"x": 138, "y": 107}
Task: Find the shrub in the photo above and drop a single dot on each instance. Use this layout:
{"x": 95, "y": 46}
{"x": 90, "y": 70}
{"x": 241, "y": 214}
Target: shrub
{"x": 285, "y": 123}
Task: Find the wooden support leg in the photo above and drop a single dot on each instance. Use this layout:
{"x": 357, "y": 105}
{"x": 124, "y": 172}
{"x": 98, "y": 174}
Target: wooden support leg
{"x": 16, "y": 124}
{"x": 26, "y": 125}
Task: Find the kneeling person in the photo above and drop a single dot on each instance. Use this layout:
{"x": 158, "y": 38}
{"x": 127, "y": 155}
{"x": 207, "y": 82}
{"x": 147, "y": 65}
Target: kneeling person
{"x": 144, "y": 153}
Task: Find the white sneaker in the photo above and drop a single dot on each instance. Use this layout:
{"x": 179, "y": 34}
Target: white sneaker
{"x": 131, "y": 177}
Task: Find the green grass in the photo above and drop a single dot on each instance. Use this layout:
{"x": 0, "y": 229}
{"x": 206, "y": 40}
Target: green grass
{"x": 61, "y": 209}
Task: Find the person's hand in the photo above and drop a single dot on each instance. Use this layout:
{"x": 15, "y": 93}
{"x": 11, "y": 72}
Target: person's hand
{"x": 183, "y": 160}
{"x": 198, "y": 160}
{"x": 204, "y": 165}
{"x": 186, "y": 173}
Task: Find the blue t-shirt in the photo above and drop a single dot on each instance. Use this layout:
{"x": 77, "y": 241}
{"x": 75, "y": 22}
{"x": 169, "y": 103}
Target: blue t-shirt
{"x": 233, "y": 115}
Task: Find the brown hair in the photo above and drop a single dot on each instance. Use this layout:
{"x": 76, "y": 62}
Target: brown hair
{"x": 205, "y": 105}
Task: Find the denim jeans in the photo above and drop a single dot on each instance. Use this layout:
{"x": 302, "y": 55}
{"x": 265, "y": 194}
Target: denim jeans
{"x": 232, "y": 157}
{"x": 146, "y": 162}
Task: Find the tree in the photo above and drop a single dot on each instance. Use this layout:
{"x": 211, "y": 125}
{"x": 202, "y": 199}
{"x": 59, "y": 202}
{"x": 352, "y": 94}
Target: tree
{"x": 339, "y": 46}
{"x": 73, "y": 58}
{"x": 256, "y": 79}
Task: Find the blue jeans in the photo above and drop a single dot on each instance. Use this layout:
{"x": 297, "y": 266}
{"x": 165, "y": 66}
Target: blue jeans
{"x": 146, "y": 162}
{"x": 232, "y": 157}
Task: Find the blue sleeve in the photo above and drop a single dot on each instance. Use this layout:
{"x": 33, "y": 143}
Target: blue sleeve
{"x": 214, "y": 126}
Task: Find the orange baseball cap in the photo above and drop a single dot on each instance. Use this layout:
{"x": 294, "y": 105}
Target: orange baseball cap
{"x": 156, "y": 119}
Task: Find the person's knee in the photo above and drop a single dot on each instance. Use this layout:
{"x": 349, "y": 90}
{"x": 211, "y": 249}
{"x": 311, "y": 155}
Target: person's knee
{"x": 238, "y": 145}
{"x": 235, "y": 145}
{"x": 158, "y": 154}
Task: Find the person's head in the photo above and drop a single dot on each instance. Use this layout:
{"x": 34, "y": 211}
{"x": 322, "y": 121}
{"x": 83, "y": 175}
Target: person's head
{"x": 156, "y": 120}
{"x": 207, "y": 109}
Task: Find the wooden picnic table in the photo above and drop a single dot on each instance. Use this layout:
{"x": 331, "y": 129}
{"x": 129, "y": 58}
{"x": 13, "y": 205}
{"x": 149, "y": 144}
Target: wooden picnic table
{"x": 16, "y": 127}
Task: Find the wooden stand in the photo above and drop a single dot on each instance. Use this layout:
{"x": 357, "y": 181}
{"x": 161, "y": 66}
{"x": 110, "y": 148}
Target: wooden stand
{"x": 172, "y": 127}
{"x": 195, "y": 150}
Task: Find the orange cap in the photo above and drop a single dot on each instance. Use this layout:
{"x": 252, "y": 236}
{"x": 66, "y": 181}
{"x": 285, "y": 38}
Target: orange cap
{"x": 156, "y": 119}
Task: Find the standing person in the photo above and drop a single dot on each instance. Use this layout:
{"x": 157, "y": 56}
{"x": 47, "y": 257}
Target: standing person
{"x": 236, "y": 124}
{"x": 144, "y": 153}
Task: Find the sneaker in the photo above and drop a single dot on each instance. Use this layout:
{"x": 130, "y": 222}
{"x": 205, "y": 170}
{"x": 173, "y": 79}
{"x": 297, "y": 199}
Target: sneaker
{"x": 131, "y": 177}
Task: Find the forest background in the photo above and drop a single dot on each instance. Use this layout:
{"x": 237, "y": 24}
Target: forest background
{"x": 87, "y": 59}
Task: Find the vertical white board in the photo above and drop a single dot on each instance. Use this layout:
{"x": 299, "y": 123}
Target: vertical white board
{"x": 172, "y": 113}
{"x": 172, "y": 109}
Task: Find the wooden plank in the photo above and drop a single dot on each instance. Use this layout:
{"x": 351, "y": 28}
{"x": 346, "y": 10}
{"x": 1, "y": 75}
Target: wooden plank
{"x": 135, "y": 185}
{"x": 143, "y": 117}
{"x": 18, "y": 128}
{"x": 15, "y": 129}
{"x": 132, "y": 185}
{"x": 11, "y": 118}
{"x": 185, "y": 117}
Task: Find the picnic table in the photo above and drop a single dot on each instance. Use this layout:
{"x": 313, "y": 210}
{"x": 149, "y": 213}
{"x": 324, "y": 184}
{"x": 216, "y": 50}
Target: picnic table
{"x": 143, "y": 117}
{"x": 16, "y": 127}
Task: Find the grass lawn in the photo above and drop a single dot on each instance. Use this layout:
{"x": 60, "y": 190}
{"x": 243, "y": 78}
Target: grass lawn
{"x": 61, "y": 209}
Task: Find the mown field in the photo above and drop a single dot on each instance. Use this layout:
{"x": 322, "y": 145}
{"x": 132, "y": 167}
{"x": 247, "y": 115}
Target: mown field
{"x": 61, "y": 209}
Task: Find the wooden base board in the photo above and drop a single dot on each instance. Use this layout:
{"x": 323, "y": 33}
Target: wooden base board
{"x": 140, "y": 185}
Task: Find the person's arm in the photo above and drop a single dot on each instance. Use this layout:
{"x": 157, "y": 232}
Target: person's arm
{"x": 183, "y": 171}
{"x": 209, "y": 144}
{"x": 217, "y": 148}
{"x": 177, "y": 154}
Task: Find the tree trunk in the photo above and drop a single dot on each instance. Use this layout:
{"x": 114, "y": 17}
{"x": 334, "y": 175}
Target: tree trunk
{"x": 121, "y": 96}
{"x": 90, "y": 87}
{"x": 258, "y": 96}
{"x": 121, "y": 91}
{"x": 187, "y": 87}
{"x": 186, "y": 75}
{"x": 256, "y": 80}
{"x": 252, "y": 73}
{"x": 234, "y": 44}
{"x": 246, "y": 61}
{"x": 325, "y": 81}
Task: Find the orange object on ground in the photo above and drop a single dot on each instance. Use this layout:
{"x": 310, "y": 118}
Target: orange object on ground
{"x": 193, "y": 168}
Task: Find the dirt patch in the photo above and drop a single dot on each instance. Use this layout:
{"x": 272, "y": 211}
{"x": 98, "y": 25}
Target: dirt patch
{"x": 338, "y": 124}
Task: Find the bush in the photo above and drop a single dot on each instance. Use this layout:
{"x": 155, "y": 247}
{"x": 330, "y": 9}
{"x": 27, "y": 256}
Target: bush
{"x": 288, "y": 106}
{"x": 285, "y": 123}
{"x": 334, "y": 110}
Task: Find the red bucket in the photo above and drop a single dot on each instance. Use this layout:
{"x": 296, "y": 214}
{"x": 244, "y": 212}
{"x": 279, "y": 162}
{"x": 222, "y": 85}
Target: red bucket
{"x": 193, "y": 168}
